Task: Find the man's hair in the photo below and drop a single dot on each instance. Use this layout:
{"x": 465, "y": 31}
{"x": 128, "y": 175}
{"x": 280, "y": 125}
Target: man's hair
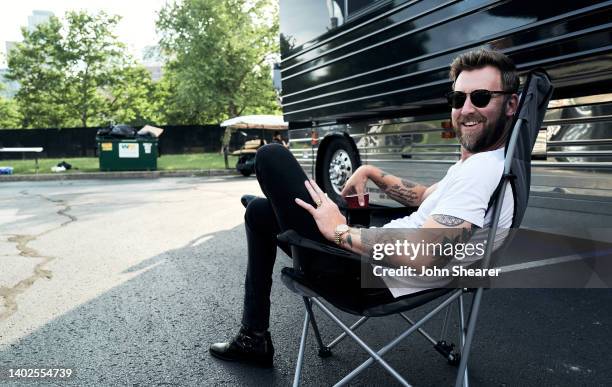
{"x": 478, "y": 59}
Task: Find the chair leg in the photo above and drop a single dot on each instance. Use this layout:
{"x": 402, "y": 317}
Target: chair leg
{"x": 445, "y": 323}
{"x": 363, "y": 345}
{"x": 462, "y": 335}
{"x": 447, "y": 350}
{"x": 401, "y": 337}
{"x": 300, "y": 359}
{"x": 422, "y": 331}
{"x": 469, "y": 336}
{"x": 343, "y": 335}
{"x": 324, "y": 351}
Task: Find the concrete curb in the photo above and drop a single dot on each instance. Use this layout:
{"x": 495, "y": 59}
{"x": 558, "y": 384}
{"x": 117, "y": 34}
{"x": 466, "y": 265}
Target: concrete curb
{"x": 119, "y": 175}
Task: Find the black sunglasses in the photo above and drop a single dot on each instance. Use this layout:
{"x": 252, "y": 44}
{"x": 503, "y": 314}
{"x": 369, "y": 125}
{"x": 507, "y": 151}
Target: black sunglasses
{"x": 479, "y": 98}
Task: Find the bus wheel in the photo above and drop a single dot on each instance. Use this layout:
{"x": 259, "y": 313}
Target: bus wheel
{"x": 339, "y": 163}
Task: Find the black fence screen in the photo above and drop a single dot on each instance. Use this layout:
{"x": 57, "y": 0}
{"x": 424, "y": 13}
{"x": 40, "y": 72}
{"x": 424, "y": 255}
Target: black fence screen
{"x": 81, "y": 142}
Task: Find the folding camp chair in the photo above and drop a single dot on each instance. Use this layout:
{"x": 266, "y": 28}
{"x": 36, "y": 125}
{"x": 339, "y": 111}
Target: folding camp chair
{"x": 533, "y": 101}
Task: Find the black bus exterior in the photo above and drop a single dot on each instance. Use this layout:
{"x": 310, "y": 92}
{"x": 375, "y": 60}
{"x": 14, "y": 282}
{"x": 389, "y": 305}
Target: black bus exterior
{"x": 363, "y": 83}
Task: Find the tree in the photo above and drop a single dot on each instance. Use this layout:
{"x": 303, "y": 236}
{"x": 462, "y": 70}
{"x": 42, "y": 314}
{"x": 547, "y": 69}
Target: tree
{"x": 10, "y": 118}
{"x": 218, "y": 58}
{"x": 94, "y": 58}
{"x": 36, "y": 64}
{"x": 78, "y": 74}
{"x": 134, "y": 98}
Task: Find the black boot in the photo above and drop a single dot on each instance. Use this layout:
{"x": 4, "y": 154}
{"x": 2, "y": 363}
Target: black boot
{"x": 246, "y": 347}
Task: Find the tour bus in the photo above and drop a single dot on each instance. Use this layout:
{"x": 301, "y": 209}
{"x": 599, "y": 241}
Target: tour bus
{"x": 363, "y": 82}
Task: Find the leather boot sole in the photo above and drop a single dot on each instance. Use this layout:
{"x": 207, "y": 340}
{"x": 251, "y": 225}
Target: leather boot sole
{"x": 259, "y": 362}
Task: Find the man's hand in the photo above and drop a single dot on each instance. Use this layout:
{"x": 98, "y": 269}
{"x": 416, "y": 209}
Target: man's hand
{"x": 326, "y": 215}
{"x": 356, "y": 184}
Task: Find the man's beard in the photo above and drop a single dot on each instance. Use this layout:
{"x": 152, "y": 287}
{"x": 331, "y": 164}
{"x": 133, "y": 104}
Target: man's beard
{"x": 490, "y": 134}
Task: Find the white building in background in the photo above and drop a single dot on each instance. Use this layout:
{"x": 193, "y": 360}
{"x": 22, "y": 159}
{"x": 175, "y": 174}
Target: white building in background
{"x": 9, "y": 46}
{"x": 9, "y": 88}
{"x": 152, "y": 60}
{"x": 37, "y": 17}
{"x": 155, "y": 70}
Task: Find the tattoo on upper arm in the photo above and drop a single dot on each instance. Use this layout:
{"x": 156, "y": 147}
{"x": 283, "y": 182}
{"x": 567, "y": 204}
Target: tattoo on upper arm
{"x": 447, "y": 220}
{"x": 464, "y": 237}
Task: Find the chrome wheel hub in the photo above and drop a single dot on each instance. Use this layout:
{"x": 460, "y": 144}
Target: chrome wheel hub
{"x": 340, "y": 169}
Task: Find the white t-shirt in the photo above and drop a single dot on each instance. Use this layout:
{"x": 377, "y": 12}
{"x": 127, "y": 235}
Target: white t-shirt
{"x": 464, "y": 193}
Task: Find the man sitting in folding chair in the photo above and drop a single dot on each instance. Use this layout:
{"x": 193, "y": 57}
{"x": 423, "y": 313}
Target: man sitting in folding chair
{"x": 483, "y": 103}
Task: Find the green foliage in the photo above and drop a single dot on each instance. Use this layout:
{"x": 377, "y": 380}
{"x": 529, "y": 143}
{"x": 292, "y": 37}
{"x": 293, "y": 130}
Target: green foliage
{"x": 191, "y": 161}
{"x": 78, "y": 74}
{"x": 133, "y": 97}
{"x": 9, "y": 114}
{"x": 219, "y": 53}
{"x": 74, "y": 72}
{"x": 36, "y": 64}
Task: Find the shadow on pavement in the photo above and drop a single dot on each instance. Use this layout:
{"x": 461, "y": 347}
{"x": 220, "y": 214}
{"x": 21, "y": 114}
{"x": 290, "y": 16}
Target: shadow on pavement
{"x": 156, "y": 328}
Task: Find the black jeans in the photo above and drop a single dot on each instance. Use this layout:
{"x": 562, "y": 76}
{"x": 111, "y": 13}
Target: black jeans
{"x": 281, "y": 179}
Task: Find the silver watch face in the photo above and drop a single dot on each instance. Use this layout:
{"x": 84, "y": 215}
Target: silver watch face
{"x": 342, "y": 228}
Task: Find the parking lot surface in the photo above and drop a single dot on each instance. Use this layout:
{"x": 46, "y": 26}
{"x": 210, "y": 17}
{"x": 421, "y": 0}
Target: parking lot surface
{"x": 129, "y": 281}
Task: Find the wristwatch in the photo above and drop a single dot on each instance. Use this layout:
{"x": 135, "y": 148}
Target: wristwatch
{"x": 340, "y": 230}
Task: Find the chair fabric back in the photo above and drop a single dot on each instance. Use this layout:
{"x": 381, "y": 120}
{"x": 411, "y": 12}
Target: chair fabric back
{"x": 535, "y": 96}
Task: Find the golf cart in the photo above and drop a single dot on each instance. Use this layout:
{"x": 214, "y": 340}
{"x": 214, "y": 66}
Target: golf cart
{"x": 246, "y": 154}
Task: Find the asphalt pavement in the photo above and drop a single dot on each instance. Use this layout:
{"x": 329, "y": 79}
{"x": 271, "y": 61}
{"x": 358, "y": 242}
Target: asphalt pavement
{"x": 127, "y": 282}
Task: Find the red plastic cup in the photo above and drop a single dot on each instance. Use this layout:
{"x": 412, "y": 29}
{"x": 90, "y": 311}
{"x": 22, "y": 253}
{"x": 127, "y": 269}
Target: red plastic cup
{"x": 352, "y": 201}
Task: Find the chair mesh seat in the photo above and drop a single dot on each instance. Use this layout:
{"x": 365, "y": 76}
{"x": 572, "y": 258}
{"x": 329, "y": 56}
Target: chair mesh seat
{"x": 348, "y": 296}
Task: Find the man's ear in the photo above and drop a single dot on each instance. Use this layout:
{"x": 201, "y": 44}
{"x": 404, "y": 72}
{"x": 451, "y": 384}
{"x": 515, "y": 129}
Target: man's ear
{"x": 512, "y": 105}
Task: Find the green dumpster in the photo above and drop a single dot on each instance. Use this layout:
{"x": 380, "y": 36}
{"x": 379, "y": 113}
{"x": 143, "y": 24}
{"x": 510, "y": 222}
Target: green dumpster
{"x": 130, "y": 154}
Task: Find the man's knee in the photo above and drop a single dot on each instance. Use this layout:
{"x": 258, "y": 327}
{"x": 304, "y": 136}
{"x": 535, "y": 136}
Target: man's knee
{"x": 270, "y": 155}
{"x": 257, "y": 212}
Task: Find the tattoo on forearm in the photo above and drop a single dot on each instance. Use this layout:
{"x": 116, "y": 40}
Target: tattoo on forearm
{"x": 403, "y": 195}
{"x": 447, "y": 220}
{"x": 349, "y": 239}
{"x": 367, "y": 242}
{"x": 408, "y": 183}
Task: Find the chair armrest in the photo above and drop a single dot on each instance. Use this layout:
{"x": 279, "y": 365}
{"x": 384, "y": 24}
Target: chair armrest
{"x": 291, "y": 237}
{"x": 373, "y": 208}
{"x": 375, "y": 215}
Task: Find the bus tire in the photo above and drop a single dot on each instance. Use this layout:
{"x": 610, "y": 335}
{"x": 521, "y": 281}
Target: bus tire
{"x": 339, "y": 163}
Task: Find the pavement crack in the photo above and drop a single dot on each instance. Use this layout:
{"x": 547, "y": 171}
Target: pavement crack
{"x": 9, "y": 294}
